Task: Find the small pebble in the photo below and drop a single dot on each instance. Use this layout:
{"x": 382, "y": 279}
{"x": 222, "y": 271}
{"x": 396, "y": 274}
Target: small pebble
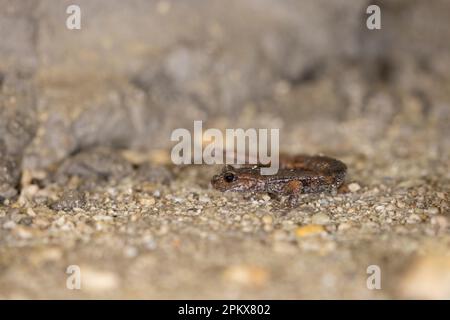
{"x": 267, "y": 219}
{"x": 311, "y": 229}
{"x": 9, "y": 225}
{"x": 320, "y": 218}
{"x": 390, "y": 207}
{"x": 441, "y": 221}
{"x": 31, "y": 212}
{"x": 413, "y": 218}
{"x": 400, "y": 204}
{"x": 246, "y": 275}
{"x": 147, "y": 201}
{"x": 23, "y": 232}
{"x": 353, "y": 187}
{"x": 131, "y": 252}
{"x": 432, "y": 211}
{"x": 157, "y": 193}
{"x": 344, "y": 226}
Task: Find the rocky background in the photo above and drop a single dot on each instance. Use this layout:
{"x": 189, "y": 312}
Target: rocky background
{"x": 85, "y": 121}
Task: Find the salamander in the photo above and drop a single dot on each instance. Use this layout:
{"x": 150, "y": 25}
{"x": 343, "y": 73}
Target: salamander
{"x": 297, "y": 174}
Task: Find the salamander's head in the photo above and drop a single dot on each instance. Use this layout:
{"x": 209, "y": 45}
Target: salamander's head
{"x": 239, "y": 180}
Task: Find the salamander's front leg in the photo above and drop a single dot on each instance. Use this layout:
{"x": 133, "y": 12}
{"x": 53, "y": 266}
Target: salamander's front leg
{"x": 293, "y": 189}
{"x": 293, "y": 200}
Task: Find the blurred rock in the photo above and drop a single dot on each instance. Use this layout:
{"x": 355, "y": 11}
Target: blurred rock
{"x": 154, "y": 174}
{"x": 82, "y": 115}
{"x": 18, "y": 31}
{"x": 427, "y": 278}
{"x": 17, "y": 128}
{"x": 99, "y": 164}
{"x": 124, "y": 84}
{"x": 9, "y": 177}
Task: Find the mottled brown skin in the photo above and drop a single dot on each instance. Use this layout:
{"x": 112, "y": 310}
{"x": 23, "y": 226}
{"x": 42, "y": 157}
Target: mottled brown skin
{"x": 297, "y": 175}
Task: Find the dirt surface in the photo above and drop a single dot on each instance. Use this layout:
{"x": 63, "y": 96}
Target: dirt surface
{"x": 85, "y": 172}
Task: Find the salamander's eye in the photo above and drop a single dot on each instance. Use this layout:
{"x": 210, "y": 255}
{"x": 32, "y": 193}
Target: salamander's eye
{"x": 229, "y": 177}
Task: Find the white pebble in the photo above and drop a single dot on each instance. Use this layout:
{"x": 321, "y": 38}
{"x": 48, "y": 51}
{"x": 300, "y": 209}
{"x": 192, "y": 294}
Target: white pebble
{"x": 9, "y": 225}
{"x": 344, "y": 226}
{"x": 320, "y": 218}
{"x": 98, "y": 280}
{"x": 432, "y": 211}
{"x": 353, "y": 187}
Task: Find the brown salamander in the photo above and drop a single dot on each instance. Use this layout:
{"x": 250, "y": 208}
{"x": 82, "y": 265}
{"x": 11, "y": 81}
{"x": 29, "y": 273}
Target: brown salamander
{"x": 296, "y": 175}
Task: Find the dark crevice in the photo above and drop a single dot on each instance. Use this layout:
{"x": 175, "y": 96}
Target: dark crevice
{"x": 2, "y": 79}
{"x": 385, "y": 70}
{"x": 307, "y": 75}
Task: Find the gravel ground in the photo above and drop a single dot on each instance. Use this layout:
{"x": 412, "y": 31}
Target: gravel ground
{"x": 86, "y": 179}
{"x": 141, "y": 229}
